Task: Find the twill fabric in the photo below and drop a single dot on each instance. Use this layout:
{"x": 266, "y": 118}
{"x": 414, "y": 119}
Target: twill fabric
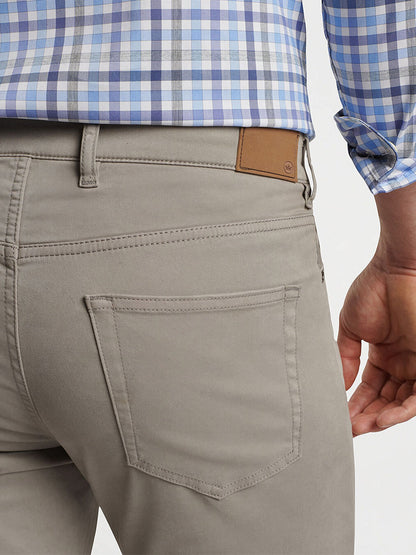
{"x": 217, "y": 63}
{"x": 159, "y": 353}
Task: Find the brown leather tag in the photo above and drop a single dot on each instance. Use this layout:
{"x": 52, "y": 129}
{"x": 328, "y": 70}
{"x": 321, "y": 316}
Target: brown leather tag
{"x": 268, "y": 151}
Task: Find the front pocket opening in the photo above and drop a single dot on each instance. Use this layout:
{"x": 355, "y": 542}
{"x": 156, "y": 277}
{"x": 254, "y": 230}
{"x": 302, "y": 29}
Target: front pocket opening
{"x": 204, "y": 388}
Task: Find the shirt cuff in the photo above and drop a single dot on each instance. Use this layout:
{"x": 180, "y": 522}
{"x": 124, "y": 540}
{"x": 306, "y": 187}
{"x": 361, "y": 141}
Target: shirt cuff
{"x": 375, "y": 157}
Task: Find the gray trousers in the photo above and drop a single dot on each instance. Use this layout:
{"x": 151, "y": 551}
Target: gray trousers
{"x": 166, "y": 349}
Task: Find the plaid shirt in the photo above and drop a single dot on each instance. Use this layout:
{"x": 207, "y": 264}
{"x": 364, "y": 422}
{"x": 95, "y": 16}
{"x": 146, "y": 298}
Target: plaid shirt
{"x": 217, "y": 62}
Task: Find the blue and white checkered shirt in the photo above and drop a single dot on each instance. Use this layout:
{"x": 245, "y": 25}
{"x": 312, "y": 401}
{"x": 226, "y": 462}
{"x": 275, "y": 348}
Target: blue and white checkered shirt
{"x": 217, "y": 62}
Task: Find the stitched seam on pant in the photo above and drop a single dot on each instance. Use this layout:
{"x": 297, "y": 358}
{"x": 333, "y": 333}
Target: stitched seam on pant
{"x": 123, "y": 371}
{"x": 192, "y": 309}
{"x": 110, "y": 243}
{"x": 168, "y": 231}
{"x": 106, "y": 370}
{"x": 124, "y": 159}
{"x": 229, "y": 487}
{"x": 155, "y": 243}
{"x": 214, "y": 489}
{"x": 296, "y": 425}
{"x": 252, "y": 294}
{"x": 299, "y": 391}
{"x": 10, "y": 289}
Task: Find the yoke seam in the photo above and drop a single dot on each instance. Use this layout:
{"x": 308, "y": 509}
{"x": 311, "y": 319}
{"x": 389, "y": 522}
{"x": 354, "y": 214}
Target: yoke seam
{"x": 165, "y": 232}
{"x": 154, "y": 243}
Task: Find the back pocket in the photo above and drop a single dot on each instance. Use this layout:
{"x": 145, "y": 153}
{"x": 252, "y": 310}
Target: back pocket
{"x": 204, "y": 387}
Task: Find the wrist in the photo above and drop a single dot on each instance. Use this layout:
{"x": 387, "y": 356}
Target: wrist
{"x": 397, "y": 213}
{"x": 389, "y": 260}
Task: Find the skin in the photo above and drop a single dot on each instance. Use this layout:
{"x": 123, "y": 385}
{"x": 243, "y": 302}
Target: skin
{"x": 380, "y": 308}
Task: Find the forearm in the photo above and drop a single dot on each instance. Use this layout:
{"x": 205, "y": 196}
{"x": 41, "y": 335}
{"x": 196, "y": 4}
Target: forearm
{"x": 397, "y": 213}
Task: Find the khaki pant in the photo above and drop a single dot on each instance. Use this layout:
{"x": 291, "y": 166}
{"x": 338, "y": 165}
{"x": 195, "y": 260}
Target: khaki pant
{"x": 166, "y": 348}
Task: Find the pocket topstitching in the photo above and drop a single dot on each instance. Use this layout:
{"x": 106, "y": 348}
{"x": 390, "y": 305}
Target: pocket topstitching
{"x": 204, "y": 388}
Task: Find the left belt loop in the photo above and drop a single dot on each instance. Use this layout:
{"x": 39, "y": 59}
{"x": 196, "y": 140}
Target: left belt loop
{"x": 88, "y": 167}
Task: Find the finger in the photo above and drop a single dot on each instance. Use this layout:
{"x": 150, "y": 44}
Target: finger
{"x": 391, "y": 416}
{"x": 375, "y": 376}
{"x": 406, "y": 390}
{"x": 364, "y": 424}
{"x": 368, "y": 391}
{"x": 349, "y": 346}
{"x": 400, "y": 363}
{"x": 391, "y": 388}
{"x": 369, "y": 420}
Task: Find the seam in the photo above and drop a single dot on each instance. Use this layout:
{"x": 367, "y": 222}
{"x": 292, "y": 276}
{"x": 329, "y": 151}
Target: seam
{"x": 215, "y": 490}
{"x": 296, "y": 431}
{"x": 38, "y": 155}
{"x": 257, "y": 475}
{"x": 193, "y": 309}
{"x": 84, "y": 142}
{"x": 281, "y": 290}
{"x": 88, "y": 181}
{"x": 88, "y": 155}
{"x": 165, "y": 161}
{"x": 8, "y": 244}
{"x": 285, "y": 347}
{"x": 11, "y": 201}
{"x": 110, "y": 243}
{"x": 154, "y": 243}
{"x": 287, "y": 369}
{"x": 10, "y": 291}
{"x": 267, "y": 173}
{"x": 133, "y": 428}
{"x": 173, "y": 161}
{"x": 105, "y": 369}
{"x": 165, "y": 232}
{"x": 299, "y": 392}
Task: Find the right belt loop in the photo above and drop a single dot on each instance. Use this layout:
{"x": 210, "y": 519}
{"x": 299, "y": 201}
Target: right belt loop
{"x": 311, "y": 196}
{"x": 88, "y": 167}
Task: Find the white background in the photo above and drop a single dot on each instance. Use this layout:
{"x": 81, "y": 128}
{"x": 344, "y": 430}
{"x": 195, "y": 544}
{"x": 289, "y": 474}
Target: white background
{"x": 348, "y": 229}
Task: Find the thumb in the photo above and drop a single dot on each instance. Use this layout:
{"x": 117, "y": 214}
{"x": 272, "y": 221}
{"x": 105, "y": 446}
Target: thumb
{"x": 349, "y": 346}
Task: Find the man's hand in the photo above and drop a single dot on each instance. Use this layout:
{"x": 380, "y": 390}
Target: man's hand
{"x": 380, "y": 308}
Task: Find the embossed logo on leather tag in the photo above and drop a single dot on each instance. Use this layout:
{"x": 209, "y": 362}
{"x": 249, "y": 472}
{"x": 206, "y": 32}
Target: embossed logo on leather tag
{"x": 268, "y": 151}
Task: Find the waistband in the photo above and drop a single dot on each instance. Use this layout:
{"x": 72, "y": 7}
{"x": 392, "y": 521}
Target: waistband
{"x": 273, "y": 152}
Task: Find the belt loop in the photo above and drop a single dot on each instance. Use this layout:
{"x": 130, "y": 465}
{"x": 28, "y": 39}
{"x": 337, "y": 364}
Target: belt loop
{"x": 88, "y": 167}
{"x": 311, "y": 196}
